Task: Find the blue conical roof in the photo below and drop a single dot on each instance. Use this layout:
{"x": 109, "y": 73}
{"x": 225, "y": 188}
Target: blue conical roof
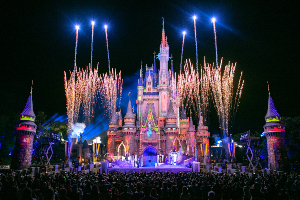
{"x": 272, "y": 112}
{"x": 28, "y": 110}
{"x": 183, "y": 115}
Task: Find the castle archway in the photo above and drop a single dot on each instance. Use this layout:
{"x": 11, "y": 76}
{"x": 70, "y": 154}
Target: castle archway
{"x": 149, "y": 156}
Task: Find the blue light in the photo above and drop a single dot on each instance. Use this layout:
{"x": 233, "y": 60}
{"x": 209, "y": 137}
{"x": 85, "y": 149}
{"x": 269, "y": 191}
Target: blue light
{"x": 262, "y": 135}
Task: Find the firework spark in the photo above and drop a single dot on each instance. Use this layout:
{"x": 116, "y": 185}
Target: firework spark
{"x": 223, "y": 94}
{"x": 92, "y": 43}
{"x": 195, "y": 30}
{"x": 83, "y": 88}
{"x": 183, "y": 33}
{"x": 106, "y": 36}
{"x": 185, "y": 89}
{"x": 215, "y": 34}
{"x": 76, "y": 44}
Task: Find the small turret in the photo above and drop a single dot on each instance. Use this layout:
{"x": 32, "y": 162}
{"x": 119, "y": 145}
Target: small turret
{"x": 129, "y": 113}
{"x": 120, "y": 119}
{"x": 114, "y": 118}
{"x": 191, "y": 127}
{"x": 170, "y": 114}
{"x": 129, "y": 119}
{"x": 183, "y": 115}
{"x": 274, "y": 131}
{"x": 26, "y": 129}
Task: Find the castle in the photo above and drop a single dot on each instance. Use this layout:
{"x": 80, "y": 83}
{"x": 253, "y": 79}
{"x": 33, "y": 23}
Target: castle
{"x": 157, "y": 128}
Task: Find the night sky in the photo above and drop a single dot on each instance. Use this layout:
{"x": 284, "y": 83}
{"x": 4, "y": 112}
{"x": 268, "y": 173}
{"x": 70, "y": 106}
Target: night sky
{"x": 38, "y": 40}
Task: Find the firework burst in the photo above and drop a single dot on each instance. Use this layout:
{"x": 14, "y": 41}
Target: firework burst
{"x": 225, "y": 102}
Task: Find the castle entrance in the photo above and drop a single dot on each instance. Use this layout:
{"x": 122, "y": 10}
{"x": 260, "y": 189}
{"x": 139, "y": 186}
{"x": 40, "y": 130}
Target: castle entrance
{"x": 149, "y": 157}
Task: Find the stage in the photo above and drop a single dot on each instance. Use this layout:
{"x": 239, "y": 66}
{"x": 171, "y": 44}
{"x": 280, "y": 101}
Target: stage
{"x": 163, "y": 168}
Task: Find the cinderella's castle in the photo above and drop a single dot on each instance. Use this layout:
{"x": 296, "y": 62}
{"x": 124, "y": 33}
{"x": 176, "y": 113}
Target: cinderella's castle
{"x": 157, "y": 128}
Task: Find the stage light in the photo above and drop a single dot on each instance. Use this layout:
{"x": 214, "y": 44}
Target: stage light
{"x": 184, "y": 32}
{"x": 105, "y": 26}
{"x": 77, "y": 27}
{"x": 93, "y": 23}
{"x": 194, "y": 17}
{"x": 213, "y": 20}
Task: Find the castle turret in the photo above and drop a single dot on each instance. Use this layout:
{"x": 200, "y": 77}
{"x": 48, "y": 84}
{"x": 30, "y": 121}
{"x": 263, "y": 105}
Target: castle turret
{"x": 140, "y": 91}
{"x": 163, "y": 87}
{"x": 203, "y": 138}
{"x": 191, "y": 135}
{"x": 274, "y": 131}
{"x": 111, "y": 133}
{"x": 120, "y": 119}
{"x": 170, "y": 128}
{"x": 25, "y": 129}
{"x": 129, "y": 129}
{"x": 86, "y": 150}
{"x": 184, "y": 123}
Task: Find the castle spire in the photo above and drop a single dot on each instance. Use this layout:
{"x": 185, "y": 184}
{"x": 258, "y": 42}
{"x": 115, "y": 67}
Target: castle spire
{"x": 272, "y": 112}
{"x": 28, "y": 110}
{"x": 114, "y": 117}
{"x": 154, "y": 67}
{"x": 129, "y": 113}
{"x": 172, "y": 70}
{"x": 141, "y": 71}
{"x": 170, "y": 114}
{"x": 163, "y": 35}
{"x": 191, "y": 127}
{"x": 183, "y": 115}
{"x": 200, "y": 123}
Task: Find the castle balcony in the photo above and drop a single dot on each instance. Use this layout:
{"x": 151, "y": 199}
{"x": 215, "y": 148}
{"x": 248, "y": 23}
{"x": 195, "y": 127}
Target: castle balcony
{"x": 203, "y": 134}
{"x": 149, "y": 141}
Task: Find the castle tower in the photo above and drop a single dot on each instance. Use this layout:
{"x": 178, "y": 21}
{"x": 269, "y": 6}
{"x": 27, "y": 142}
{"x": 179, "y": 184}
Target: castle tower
{"x": 274, "y": 131}
{"x": 25, "y": 129}
{"x": 111, "y": 134}
{"x": 163, "y": 87}
{"x": 170, "y": 128}
{"x": 120, "y": 119}
{"x": 191, "y": 135}
{"x": 149, "y": 79}
{"x": 184, "y": 123}
{"x": 129, "y": 129}
{"x": 139, "y": 101}
{"x": 203, "y": 137}
{"x": 85, "y": 150}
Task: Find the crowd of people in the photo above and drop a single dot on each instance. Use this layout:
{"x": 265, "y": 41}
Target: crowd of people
{"x": 154, "y": 185}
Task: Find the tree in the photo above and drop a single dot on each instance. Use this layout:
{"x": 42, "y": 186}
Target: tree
{"x": 8, "y": 123}
{"x": 292, "y": 141}
{"x": 45, "y": 128}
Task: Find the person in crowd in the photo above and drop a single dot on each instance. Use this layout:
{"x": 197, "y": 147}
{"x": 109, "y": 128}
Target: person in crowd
{"x": 153, "y": 185}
